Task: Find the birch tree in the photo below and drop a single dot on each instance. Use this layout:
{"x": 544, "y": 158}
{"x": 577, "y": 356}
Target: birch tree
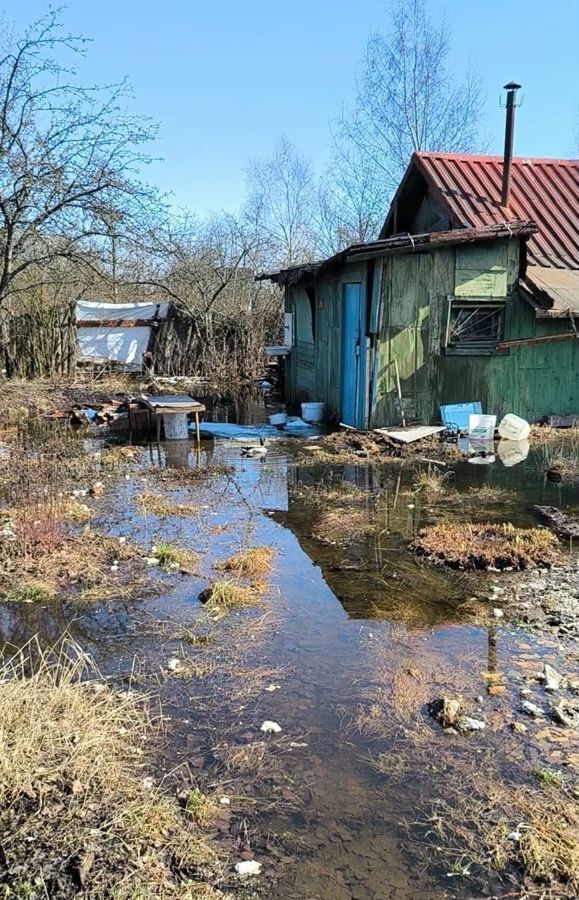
{"x": 407, "y": 97}
{"x": 282, "y": 202}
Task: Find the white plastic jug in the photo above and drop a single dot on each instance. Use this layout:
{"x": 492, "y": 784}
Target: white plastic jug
{"x": 512, "y": 452}
{"x": 513, "y": 428}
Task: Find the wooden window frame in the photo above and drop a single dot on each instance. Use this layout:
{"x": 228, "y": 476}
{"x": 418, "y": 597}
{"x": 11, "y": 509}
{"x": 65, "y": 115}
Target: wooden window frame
{"x": 485, "y": 346}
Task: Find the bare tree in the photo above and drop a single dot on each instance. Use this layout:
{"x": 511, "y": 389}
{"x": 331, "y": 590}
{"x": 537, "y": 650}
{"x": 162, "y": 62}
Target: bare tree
{"x": 351, "y": 200}
{"x": 407, "y": 98}
{"x": 281, "y": 201}
{"x": 206, "y": 261}
{"x": 69, "y": 161}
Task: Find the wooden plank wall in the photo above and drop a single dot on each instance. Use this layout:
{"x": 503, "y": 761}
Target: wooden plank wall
{"x": 41, "y": 342}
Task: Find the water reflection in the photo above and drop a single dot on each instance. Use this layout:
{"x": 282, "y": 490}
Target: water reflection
{"x": 351, "y": 613}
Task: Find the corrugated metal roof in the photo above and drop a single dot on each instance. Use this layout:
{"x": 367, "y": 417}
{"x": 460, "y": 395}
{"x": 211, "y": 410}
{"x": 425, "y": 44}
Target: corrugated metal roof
{"x": 546, "y": 191}
{"x": 557, "y": 290}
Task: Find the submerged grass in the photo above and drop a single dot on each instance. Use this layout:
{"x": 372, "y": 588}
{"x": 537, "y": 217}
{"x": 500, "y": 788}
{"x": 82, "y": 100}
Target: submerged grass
{"x": 343, "y": 493}
{"x": 432, "y": 480}
{"x": 194, "y": 474}
{"x": 488, "y": 817}
{"x": 117, "y": 457}
{"x": 516, "y": 830}
{"x": 341, "y": 525}
{"x": 200, "y": 807}
{"x": 467, "y": 545}
{"x": 75, "y": 808}
{"x": 160, "y": 506}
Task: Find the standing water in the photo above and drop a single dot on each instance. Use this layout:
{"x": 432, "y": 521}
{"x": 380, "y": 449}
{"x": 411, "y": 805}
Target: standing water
{"x": 369, "y": 797}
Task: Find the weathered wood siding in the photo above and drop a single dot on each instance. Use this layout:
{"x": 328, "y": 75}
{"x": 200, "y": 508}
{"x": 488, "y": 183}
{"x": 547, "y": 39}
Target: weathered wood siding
{"x": 313, "y": 371}
{"x": 530, "y": 381}
{"x": 410, "y": 313}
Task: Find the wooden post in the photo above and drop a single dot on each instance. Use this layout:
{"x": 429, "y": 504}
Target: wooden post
{"x": 399, "y": 389}
{"x": 197, "y": 430}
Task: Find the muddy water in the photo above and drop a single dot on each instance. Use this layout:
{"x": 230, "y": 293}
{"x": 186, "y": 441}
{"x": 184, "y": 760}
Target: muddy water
{"x": 350, "y": 617}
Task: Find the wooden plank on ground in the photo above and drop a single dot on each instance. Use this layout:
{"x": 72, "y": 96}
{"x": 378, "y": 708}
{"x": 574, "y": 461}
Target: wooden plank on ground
{"x": 409, "y": 435}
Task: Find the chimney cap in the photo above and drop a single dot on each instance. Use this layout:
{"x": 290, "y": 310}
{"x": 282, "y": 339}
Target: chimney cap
{"x": 512, "y": 86}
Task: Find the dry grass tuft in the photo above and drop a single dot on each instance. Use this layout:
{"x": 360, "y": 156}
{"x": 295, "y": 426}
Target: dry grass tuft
{"x": 466, "y": 545}
{"x": 175, "y": 558}
{"x": 250, "y": 563}
{"x": 75, "y": 809}
{"x": 116, "y": 457}
{"x": 432, "y": 480}
{"x": 546, "y": 434}
{"x": 31, "y": 592}
{"x": 41, "y": 551}
{"x": 227, "y": 594}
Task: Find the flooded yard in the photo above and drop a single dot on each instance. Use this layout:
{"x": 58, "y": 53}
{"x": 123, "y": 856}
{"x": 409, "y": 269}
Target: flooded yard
{"x": 303, "y": 701}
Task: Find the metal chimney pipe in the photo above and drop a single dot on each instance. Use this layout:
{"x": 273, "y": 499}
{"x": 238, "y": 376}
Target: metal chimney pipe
{"x": 511, "y": 88}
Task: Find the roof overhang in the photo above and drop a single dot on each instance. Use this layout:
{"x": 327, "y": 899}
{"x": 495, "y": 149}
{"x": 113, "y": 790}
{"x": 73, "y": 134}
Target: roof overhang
{"x": 400, "y": 244}
{"x": 553, "y": 293}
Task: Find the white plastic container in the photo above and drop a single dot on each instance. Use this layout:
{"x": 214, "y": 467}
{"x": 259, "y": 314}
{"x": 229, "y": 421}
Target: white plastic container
{"x": 481, "y": 428}
{"x": 312, "y": 412}
{"x": 512, "y": 452}
{"x": 513, "y": 428}
{"x": 176, "y": 428}
{"x": 278, "y": 419}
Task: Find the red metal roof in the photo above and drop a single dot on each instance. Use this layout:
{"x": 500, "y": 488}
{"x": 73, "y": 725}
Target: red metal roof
{"x": 546, "y": 191}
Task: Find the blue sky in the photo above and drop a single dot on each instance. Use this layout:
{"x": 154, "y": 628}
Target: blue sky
{"x": 224, "y": 79}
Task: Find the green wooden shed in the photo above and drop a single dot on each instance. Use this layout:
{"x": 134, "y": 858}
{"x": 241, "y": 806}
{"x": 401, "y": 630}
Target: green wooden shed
{"x": 464, "y": 297}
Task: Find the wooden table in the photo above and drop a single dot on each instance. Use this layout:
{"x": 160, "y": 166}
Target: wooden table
{"x": 173, "y": 404}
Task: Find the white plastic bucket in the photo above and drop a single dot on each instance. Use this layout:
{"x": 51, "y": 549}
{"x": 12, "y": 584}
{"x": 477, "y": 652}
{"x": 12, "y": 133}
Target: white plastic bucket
{"x": 175, "y": 426}
{"x": 312, "y": 412}
{"x": 278, "y": 419}
{"x": 513, "y": 428}
{"x": 481, "y": 428}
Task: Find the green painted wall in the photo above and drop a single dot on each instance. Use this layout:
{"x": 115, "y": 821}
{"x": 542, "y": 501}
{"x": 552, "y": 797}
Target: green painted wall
{"x": 410, "y": 311}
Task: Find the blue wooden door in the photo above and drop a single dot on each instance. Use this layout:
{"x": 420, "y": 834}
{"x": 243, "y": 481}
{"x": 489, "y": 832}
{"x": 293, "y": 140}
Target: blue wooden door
{"x": 352, "y": 369}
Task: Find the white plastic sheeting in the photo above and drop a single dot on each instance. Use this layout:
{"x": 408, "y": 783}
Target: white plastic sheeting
{"x": 293, "y": 426}
{"x": 88, "y": 310}
{"x": 120, "y": 345}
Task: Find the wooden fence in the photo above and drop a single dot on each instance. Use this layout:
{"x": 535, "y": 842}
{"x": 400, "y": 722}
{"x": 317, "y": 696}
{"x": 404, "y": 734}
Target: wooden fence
{"x": 40, "y": 343}
{"x": 226, "y": 347}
